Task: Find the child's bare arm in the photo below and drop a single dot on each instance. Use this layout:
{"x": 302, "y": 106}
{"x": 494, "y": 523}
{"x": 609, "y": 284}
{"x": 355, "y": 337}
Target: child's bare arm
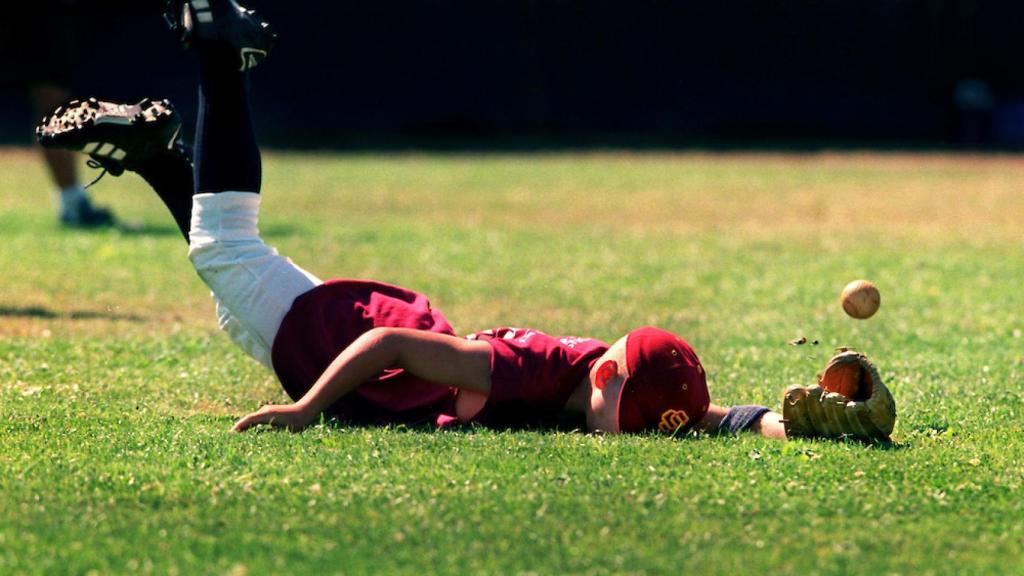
{"x": 435, "y": 357}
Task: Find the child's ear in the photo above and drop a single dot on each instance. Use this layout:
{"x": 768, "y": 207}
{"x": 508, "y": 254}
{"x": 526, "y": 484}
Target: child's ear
{"x": 606, "y": 371}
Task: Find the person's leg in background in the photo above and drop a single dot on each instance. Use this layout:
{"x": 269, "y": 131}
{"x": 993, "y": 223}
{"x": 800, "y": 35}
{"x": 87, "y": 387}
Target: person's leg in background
{"x": 50, "y": 47}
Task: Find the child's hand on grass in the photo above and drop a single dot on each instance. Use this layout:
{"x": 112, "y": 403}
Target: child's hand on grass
{"x": 292, "y": 416}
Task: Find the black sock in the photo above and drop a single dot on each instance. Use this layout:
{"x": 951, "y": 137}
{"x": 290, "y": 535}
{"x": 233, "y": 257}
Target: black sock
{"x": 170, "y": 175}
{"x": 741, "y": 418}
{"x": 226, "y": 155}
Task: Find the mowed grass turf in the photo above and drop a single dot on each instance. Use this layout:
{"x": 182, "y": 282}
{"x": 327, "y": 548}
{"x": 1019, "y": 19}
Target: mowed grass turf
{"x": 117, "y": 391}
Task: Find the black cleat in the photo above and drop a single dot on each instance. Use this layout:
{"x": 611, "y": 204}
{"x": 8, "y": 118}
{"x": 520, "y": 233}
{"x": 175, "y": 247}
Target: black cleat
{"x": 225, "y": 23}
{"x": 117, "y": 137}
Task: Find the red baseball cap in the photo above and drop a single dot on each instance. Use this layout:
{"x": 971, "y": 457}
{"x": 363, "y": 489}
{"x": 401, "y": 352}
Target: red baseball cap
{"x": 666, "y": 388}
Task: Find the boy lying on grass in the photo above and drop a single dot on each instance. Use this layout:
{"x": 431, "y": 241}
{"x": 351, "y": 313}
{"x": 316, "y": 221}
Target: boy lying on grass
{"x": 369, "y": 352}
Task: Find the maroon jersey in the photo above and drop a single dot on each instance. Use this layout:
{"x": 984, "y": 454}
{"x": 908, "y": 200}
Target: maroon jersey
{"x": 324, "y": 321}
{"x": 533, "y": 375}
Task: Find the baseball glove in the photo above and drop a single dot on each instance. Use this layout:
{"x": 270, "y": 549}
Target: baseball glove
{"x": 821, "y": 411}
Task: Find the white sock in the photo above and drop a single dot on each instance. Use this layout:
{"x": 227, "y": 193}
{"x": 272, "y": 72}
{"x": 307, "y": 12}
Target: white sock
{"x": 224, "y": 217}
{"x": 72, "y": 197}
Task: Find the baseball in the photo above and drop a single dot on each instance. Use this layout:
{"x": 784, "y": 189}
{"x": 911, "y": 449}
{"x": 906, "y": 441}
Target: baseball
{"x": 860, "y": 299}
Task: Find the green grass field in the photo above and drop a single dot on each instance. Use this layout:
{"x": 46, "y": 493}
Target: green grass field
{"x": 117, "y": 391}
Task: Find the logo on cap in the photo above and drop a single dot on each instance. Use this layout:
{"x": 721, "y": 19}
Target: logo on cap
{"x": 672, "y": 420}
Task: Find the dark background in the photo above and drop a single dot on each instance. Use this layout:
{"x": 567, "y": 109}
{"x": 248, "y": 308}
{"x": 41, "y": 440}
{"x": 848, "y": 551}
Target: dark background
{"x": 638, "y": 73}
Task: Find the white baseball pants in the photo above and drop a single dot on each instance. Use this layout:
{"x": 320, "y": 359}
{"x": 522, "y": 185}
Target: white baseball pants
{"x": 252, "y": 284}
